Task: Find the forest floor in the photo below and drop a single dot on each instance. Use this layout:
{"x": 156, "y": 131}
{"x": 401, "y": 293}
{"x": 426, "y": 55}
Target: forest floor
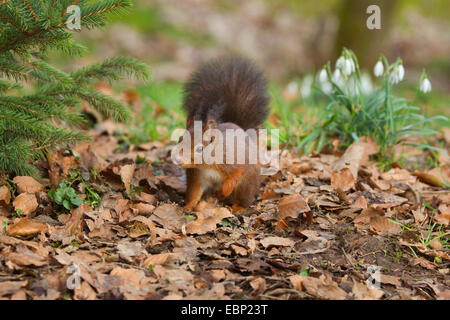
{"x": 326, "y": 226}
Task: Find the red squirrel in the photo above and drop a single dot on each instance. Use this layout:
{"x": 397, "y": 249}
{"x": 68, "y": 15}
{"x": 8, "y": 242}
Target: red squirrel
{"x": 224, "y": 94}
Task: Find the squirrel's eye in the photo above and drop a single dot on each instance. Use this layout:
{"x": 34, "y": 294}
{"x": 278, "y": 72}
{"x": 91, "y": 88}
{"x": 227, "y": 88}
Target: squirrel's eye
{"x": 199, "y": 149}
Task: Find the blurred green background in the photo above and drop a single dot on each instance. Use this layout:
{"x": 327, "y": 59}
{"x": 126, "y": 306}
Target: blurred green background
{"x": 287, "y": 38}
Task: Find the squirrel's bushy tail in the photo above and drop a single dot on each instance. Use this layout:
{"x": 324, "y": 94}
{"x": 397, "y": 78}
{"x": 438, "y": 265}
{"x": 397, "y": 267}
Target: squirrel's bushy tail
{"x": 227, "y": 90}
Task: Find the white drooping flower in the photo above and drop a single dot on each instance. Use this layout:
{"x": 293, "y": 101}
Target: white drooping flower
{"x": 351, "y": 87}
{"x": 378, "y": 70}
{"x": 393, "y": 77}
{"x": 425, "y": 85}
{"x": 348, "y": 67}
{"x": 366, "y": 83}
{"x": 337, "y": 75}
{"x": 323, "y": 76}
{"x": 338, "y": 78}
{"x": 340, "y": 63}
{"x": 292, "y": 88}
{"x": 401, "y": 72}
{"x": 305, "y": 88}
{"x": 326, "y": 87}
{"x": 352, "y": 64}
{"x": 397, "y": 74}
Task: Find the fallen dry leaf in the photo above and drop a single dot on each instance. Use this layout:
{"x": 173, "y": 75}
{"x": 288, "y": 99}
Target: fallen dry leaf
{"x": 5, "y": 194}
{"x": 173, "y": 182}
{"x": 159, "y": 259}
{"x": 9, "y": 287}
{"x": 26, "y": 227}
{"x": 85, "y": 292}
{"x": 27, "y": 184}
{"x": 239, "y": 250}
{"x": 292, "y": 205}
{"x": 26, "y": 203}
{"x": 435, "y": 177}
{"x": 128, "y": 250}
{"x": 259, "y": 285}
{"x": 126, "y": 174}
{"x": 382, "y": 225}
{"x": 443, "y": 217}
{"x": 59, "y": 166}
{"x": 362, "y": 292}
{"x": 169, "y": 216}
{"x": 207, "y": 220}
{"x": 27, "y": 258}
{"x": 370, "y": 148}
{"x": 345, "y": 170}
{"x": 375, "y": 219}
{"x": 277, "y": 242}
{"x": 317, "y": 242}
{"x": 143, "y": 208}
{"x": 395, "y": 281}
{"x": 323, "y": 287}
{"x": 19, "y": 295}
{"x": 436, "y": 244}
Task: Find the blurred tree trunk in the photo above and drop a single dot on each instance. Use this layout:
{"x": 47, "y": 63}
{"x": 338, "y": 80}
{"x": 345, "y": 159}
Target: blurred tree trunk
{"x": 354, "y": 34}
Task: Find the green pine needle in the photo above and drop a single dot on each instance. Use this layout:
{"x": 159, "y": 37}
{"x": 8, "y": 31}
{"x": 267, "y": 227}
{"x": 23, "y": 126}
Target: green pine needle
{"x": 43, "y": 118}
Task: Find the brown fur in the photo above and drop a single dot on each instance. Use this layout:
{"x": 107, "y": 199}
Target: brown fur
{"x": 226, "y": 94}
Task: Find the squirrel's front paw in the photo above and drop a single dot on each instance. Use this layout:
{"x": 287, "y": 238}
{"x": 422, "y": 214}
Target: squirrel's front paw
{"x": 236, "y": 208}
{"x": 189, "y": 206}
{"x": 227, "y": 188}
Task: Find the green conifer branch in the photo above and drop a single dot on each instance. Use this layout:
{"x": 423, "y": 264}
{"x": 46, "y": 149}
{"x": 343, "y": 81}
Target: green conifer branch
{"x": 33, "y": 123}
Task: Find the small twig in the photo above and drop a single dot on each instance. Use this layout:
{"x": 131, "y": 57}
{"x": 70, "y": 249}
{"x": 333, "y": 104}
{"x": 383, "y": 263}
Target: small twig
{"x": 280, "y": 291}
{"x": 347, "y": 257}
{"x": 370, "y": 253}
{"x": 416, "y": 194}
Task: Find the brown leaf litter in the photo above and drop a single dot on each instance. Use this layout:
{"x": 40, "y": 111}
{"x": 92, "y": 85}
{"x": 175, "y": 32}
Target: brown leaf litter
{"x": 319, "y": 224}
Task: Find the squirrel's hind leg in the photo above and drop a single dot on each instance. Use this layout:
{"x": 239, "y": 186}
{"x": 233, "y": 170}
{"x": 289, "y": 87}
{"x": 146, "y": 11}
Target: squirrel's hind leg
{"x": 246, "y": 191}
{"x": 229, "y": 184}
{"x": 194, "y": 189}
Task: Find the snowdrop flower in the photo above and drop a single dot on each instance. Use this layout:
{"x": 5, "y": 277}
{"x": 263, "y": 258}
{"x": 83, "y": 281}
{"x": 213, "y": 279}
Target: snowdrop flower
{"x": 292, "y": 88}
{"x": 425, "y": 85}
{"x": 401, "y": 72}
{"x": 291, "y": 92}
{"x": 323, "y": 77}
{"x": 378, "y": 70}
{"x": 346, "y": 65}
{"x": 337, "y": 76}
{"x": 393, "y": 77}
{"x": 326, "y": 87}
{"x": 340, "y": 63}
{"x": 366, "y": 83}
{"x": 305, "y": 88}
{"x": 351, "y": 63}
{"x": 397, "y": 74}
{"x": 351, "y": 87}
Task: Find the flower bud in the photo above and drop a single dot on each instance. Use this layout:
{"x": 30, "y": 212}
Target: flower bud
{"x": 340, "y": 63}
{"x": 425, "y": 85}
{"x": 348, "y": 67}
{"x": 378, "y": 70}
{"x": 323, "y": 77}
{"x": 337, "y": 76}
{"x": 401, "y": 72}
